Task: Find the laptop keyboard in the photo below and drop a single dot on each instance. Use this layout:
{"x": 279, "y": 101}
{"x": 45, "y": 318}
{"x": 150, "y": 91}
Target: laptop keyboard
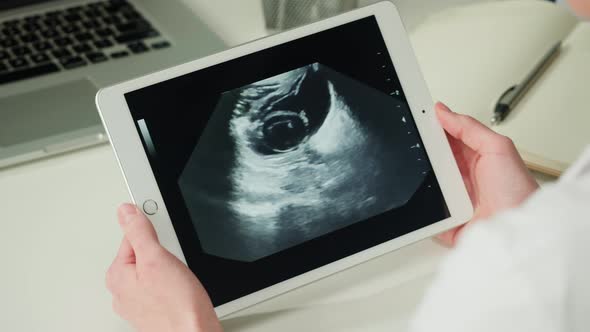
{"x": 73, "y": 37}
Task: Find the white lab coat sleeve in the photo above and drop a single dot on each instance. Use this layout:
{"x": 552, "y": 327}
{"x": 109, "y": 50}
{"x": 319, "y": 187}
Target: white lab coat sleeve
{"x": 523, "y": 270}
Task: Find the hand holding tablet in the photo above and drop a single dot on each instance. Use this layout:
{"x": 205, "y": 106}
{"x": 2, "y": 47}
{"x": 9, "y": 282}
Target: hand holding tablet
{"x": 290, "y": 158}
{"x": 140, "y": 276}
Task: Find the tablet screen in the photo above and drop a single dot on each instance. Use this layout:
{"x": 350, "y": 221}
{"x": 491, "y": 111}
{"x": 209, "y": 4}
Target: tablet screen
{"x": 285, "y": 160}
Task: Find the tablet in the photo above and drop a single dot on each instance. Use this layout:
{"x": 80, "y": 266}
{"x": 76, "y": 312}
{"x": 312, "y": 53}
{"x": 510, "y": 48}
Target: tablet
{"x": 287, "y": 159}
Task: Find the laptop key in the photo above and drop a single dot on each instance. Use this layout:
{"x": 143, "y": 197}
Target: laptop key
{"x": 134, "y": 36}
{"x": 138, "y": 47}
{"x": 73, "y": 62}
{"x": 18, "y": 63}
{"x": 103, "y": 43}
{"x": 132, "y": 15}
{"x": 18, "y": 75}
{"x": 161, "y": 44}
{"x": 108, "y": 20}
{"x": 63, "y": 42}
{"x": 96, "y": 57}
{"x": 82, "y": 37}
{"x": 106, "y": 32}
{"x": 8, "y": 42}
{"x": 117, "y": 20}
{"x": 21, "y": 51}
{"x": 133, "y": 26}
{"x": 12, "y": 22}
{"x": 42, "y": 46}
{"x": 92, "y": 13}
{"x": 39, "y": 58}
{"x": 61, "y": 53}
{"x": 82, "y": 48}
{"x": 120, "y": 54}
{"x": 74, "y": 17}
{"x": 49, "y": 33}
{"x": 91, "y": 24}
{"x": 29, "y": 38}
{"x": 30, "y": 27}
{"x": 70, "y": 28}
{"x": 10, "y": 31}
{"x": 116, "y": 6}
{"x": 52, "y": 22}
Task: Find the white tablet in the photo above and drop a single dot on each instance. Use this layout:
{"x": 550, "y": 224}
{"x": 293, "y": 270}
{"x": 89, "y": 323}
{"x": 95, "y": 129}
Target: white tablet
{"x": 281, "y": 161}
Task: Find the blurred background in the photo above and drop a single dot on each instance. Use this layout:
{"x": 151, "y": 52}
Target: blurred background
{"x": 412, "y": 11}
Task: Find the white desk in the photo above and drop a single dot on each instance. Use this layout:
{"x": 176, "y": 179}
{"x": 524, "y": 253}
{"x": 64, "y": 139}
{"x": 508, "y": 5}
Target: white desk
{"x": 59, "y": 235}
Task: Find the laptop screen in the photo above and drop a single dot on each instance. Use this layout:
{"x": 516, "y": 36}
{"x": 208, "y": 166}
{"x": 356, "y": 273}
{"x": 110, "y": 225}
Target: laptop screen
{"x": 9, "y": 4}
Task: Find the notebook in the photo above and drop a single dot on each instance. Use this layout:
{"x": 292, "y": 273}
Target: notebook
{"x": 470, "y": 55}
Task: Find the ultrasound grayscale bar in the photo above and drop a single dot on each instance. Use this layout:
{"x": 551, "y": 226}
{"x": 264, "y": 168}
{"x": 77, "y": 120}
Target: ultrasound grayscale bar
{"x": 147, "y": 138}
{"x": 299, "y": 159}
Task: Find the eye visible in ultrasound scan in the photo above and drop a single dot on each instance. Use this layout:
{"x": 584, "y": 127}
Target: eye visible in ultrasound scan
{"x": 296, "y": 156}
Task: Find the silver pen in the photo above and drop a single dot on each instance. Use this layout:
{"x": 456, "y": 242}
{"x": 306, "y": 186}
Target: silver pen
{"x": 514, "y": 94}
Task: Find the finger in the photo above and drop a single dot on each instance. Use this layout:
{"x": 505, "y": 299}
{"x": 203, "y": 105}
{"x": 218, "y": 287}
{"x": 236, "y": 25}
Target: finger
{"x": 446, "y": 238}
{"x": 443, "y": 240}
{"x": 120, "y": 278}
{"x": 452, "y": 236}
{"x": 471, "y": 132}
{"x": 449, "y": 238}
{"x": 138, "y": 230}
{"x": 126, "y": 255}
{"x": 464, "y": 157}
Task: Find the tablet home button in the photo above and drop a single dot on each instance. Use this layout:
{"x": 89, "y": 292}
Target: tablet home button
{"x": 150, "y": 207}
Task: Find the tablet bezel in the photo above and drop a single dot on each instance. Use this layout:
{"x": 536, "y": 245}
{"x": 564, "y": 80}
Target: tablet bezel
{"x": 142, "y": 184}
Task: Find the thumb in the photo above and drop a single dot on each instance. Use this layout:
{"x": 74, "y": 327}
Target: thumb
{"x": 464, "y": 128}
{"x": 138, "y": 230}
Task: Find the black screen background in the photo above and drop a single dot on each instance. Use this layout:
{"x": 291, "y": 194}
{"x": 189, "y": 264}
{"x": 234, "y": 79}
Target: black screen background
{"x": 177, "y": 112}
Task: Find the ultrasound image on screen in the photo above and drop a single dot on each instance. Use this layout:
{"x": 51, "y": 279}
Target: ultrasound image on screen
{"x": 296, "y": 156}
{"x": 287, "y": 159}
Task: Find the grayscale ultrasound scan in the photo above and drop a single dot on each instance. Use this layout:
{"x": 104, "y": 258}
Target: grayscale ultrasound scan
{"x": 296, "y": 156}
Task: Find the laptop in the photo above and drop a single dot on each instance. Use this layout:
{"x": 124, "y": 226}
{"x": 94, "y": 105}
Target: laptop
{"x": 56, "y": 54}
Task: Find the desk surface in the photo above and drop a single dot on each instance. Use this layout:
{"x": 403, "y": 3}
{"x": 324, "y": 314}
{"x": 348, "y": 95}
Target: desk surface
{"x": 59, "y": 235}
